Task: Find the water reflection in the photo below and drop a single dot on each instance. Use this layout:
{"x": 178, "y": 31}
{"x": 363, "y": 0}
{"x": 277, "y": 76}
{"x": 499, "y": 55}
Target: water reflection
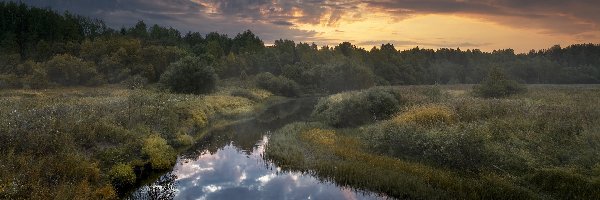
{"x": 233, "y": 174}
{"x": 228, "y": 164}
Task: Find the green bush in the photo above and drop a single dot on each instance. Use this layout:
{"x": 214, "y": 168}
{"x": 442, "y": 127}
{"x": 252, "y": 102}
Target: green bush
{"x": 277, "y": 84}
{"x": 190, "y": 75}
{"x": 122, "y": 175}
{"x": 357, "y": 108}
{"x": 161, "y": 155}
{"x": 497, "y": 85}
{"x": 68, "y": 70}
{"x": 460, "y": 147}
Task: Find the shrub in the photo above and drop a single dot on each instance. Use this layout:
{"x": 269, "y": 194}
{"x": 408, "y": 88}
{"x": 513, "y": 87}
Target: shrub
{"x": 184, "y": 139}
{"x": 136, "y": 82}
{"x": 497, "y": 85}
{"x": 356, "y": 108}
{"x": 277, "y": 84}
{"x": 162, "y": 156}
{"x": 190, "y": 75}
{"x": 460, "y": 147}
{"x": 10, "y": 81}
{"x": 68, "y": 70}
{"x": 427, "y": 116}
{"x": 122, "y": 175}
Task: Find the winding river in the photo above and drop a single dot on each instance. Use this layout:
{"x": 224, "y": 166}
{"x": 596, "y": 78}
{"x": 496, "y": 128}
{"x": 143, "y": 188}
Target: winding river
{"x": 228, "y": 164}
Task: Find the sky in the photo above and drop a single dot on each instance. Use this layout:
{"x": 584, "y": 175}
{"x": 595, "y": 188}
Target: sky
{"x": 467, "y": 24}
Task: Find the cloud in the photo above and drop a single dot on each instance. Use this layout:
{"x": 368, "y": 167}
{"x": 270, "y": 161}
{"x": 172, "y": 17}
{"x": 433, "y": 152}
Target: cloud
{"x": 552, "y": 16}
{"x": 269, "y": 21}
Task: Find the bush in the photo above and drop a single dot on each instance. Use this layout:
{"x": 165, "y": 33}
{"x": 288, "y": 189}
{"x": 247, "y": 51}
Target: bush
{"x": 162, "y": 156}
{"x": 356, "y": 108}
{"x": 136, "y": 82}
{"x": 459, "y": 147}
{"x": 277, "y": 84}
{"x": 10, "y": 81}
{"x": 122, "y": 175}
{"x": 497, "y": 85}
{"x": 190, "y": 75}
{"x": 68, "y": 70}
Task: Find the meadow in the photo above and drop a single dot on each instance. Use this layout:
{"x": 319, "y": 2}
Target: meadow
{"x": 98, "y": 143}
{"x": 443, "y": 142}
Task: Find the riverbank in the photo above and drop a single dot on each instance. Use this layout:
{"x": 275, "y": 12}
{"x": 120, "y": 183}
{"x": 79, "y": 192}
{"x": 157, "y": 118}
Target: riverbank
{"x": 94, "y": 143}
{"x": 442, "y": 143}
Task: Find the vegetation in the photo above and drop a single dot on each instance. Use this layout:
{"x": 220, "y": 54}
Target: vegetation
{"x": 357, "y": 108}
{"x": 191, "y": 76}
{"x": 497, "y": 85}
{"x": 538, "y": 145}
{"x": 96, "y": 143}
{"x": 277, "y": 85}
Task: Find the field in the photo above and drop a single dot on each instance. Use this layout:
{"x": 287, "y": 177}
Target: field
{"x": 97, "y": 143}
{"x": 443, "y": 143}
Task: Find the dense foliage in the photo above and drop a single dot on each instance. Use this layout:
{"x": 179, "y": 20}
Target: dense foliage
{"x": 279, "y": 85}
{"x": 497, "y": 85}
{"x": 360, "y": 107}
{"x": 190, "y": 75}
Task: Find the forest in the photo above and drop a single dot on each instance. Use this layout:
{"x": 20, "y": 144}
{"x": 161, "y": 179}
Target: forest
{"x": 89, "y": 111}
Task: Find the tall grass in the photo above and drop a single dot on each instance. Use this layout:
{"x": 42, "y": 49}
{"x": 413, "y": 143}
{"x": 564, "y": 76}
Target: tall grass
{"x": 85, "y": 143}
{"x": 541, "y": 144}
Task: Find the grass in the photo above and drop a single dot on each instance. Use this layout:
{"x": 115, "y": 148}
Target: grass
{"x": 85, "y": 143}
{"x": 446, "y": 144}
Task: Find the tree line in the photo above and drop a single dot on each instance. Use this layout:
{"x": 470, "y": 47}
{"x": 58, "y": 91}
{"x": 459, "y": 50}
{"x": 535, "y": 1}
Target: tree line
{"x": 43, "y": 48}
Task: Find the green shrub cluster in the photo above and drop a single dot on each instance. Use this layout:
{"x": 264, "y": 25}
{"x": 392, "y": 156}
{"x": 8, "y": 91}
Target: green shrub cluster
{"x": 497, "y": 85}
{"x": 161, "y": 155}
{"x": 357, "y": 108}
{"x": 277, "y": 84}
{"x": 190, "y": 75}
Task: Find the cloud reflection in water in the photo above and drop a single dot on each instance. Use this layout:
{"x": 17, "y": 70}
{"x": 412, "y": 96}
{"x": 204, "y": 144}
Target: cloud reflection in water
{"x": 231, "y": 174}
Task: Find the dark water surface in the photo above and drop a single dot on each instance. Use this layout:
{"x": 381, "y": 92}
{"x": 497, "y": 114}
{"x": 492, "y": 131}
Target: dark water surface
{"x": 229, "y": 164}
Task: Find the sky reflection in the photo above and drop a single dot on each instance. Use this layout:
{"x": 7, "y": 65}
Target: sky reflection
{"x": 232, "y": 174}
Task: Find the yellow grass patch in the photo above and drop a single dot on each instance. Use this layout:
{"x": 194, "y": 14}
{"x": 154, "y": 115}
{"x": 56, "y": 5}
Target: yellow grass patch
{"x": 427, "y": 115}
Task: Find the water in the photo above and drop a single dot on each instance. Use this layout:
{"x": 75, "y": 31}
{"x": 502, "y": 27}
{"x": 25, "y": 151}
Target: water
{"x": 229, "y": 164}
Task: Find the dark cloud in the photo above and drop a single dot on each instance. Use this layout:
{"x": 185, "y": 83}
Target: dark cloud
{"x": 229, "y": 17}
{"x": 283, "y": 23}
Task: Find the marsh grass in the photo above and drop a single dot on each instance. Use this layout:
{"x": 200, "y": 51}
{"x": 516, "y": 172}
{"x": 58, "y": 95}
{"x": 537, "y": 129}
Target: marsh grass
{"x": 76, "y": 143}
{"x": 543, "y": 144}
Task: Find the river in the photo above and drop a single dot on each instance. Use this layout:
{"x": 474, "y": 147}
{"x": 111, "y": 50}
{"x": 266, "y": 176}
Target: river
{"x": 228, "y": 164}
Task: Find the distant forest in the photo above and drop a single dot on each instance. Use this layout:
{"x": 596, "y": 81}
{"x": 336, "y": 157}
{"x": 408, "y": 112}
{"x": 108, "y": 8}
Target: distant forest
{"x": 42, "y": 48}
